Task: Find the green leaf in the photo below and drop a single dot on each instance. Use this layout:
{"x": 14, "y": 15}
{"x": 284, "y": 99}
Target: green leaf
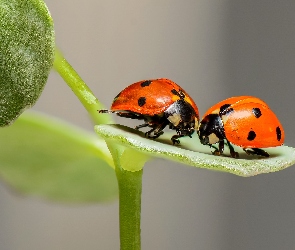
{"x": 193, "y": 153}
{"x": 50, "y": 159}
{"x": 127, "y": 158}
{"x": 26, "y": 55}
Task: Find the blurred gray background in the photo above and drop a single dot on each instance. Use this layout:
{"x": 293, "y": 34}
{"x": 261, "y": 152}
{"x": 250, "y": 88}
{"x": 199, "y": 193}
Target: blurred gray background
{"x": 214, "y": 50}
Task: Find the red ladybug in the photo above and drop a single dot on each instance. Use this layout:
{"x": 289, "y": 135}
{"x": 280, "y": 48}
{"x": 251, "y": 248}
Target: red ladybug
{"x": 159, "y": 103}
{"x": 245, "y": 121}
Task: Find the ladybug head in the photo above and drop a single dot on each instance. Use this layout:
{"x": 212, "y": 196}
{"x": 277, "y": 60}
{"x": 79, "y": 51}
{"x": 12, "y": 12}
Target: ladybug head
{"x": 181, "y": 113}
{"x": 211, "y": 129}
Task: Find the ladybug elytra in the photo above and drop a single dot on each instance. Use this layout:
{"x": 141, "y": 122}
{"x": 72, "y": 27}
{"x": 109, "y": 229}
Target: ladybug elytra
{"x": 159, "y": 102}
{"x": 244, "y": 121}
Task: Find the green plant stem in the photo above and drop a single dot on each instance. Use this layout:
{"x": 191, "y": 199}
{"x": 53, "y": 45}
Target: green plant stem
{"x": 130, "y": 187}
{"x": 129, "y": 183}
{"x": 80, "y": 89}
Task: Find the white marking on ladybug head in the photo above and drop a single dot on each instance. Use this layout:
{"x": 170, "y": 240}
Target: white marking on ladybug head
{"x": 175, "y": 119}
{"x": 196, "y": 124}
{"x": 213, "y": 138}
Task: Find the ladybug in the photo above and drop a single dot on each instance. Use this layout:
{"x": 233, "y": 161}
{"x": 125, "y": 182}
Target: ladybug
{"x": 159, "y": 102}
{"x": 245, "y": 121}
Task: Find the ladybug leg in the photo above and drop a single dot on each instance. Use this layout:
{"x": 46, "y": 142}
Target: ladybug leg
{"x": 147, "y": 134}
{"x": 221, "y": 146}
{"x": 127, "y": 115}
{"x": 157, "y": 129}
{"x": 141, "y": 126}
{"x": 121, "y": 113}
{"x": 218, "y": 151}
{"x": 256, "y": 151}
{"x": 175, "y": 140}
{"x": 233, "y": 153}
{"x": 180, "y": 133}
{"x": 156, "y": 133}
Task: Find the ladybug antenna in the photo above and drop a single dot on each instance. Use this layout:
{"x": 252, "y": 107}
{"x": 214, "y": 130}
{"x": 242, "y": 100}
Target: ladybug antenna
{"x": 113, "y": 111}
{"x": 106, "y": 111}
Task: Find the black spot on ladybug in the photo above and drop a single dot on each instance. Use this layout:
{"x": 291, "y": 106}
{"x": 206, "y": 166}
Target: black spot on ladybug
{"x": 141, "y": 101}
{"x": 117, "y": 96}
{"x": 256, "y": 112}
{"x": 178, "y": 93}
{"x": 174, "y": 92}
{"x": 146, "y": 83}
{"x": 224, "y": 109}
{"x": 279, "y": 133}
{"x": 251, "y": 135}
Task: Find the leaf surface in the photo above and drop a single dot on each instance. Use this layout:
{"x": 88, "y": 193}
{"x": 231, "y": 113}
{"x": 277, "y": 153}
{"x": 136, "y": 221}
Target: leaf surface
{"x": 48, "y": 158}
{"x": 26, "y": 55}
{"x": 191, "y": 152}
